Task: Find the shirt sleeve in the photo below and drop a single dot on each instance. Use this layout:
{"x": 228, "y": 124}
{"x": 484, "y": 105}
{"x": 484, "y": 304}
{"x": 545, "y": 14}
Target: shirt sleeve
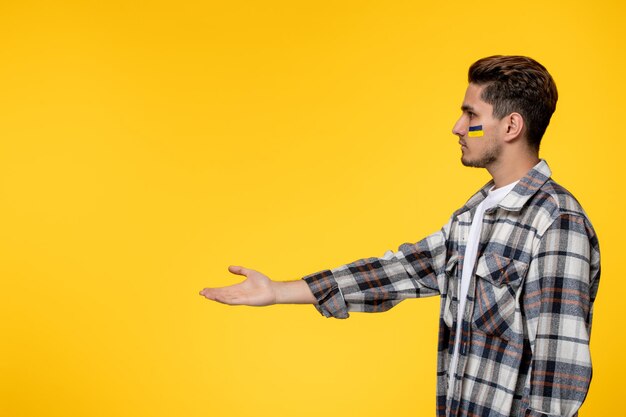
{"x": 559, "y": 304}
{"x": 378, "y": 284}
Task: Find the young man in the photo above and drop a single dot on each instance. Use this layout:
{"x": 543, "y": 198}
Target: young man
{"x": 517, "y": 267}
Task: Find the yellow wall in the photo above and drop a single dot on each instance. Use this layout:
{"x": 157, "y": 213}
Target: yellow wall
{"x": 145, "y": 147}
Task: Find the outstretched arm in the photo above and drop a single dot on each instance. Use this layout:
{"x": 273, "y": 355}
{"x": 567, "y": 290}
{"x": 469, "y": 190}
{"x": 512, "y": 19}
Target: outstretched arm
{"x": 378, "y": 284}
{"x": 372, "y": 284}
{"x": 259, "y": 290}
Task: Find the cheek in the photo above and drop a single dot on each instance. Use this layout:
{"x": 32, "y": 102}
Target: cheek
{"x": 479, "y": 145}
{"x": 476, "y": 130}
{"x": 491, "y": 129}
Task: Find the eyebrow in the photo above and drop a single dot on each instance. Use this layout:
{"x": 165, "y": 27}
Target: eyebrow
{"x": 467, "y": 107}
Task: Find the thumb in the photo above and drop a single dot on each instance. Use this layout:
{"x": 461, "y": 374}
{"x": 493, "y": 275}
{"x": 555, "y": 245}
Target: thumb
{"x": 239, "y": 270}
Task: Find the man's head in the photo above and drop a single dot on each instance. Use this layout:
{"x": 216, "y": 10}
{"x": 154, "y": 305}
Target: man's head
{"x": 506, "y": 110}
{"x": 517, "y": 84}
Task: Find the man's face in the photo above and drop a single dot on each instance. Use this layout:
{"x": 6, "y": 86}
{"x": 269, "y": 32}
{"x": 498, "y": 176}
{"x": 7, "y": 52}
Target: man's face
{"x": 477, "y": 150}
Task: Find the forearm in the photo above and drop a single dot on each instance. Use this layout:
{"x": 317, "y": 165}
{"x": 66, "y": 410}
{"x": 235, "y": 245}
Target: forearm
{"x": 293, "y": 292}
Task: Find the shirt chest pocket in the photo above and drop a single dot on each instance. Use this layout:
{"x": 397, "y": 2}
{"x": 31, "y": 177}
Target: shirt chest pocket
{"x": 498, "y": 282}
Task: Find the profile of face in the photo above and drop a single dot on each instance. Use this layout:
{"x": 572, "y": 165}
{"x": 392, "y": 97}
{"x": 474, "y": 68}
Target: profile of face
{"x": 478, "y": 150}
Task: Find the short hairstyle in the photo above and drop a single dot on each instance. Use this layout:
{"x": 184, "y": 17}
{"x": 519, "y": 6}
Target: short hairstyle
{"x": 517, "y": 84}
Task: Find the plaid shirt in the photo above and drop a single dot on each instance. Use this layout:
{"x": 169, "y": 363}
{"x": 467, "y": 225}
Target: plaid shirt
{"x": 524, "y": 343}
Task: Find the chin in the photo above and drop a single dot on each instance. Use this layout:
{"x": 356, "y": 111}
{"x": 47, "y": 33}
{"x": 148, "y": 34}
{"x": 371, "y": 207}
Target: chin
{"x": 471, "y": 163}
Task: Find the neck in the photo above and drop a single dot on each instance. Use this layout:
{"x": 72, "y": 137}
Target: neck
{"x": 506, "y": 172}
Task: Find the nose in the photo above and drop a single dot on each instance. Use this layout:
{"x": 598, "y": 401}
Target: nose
{"x": 459, "y": 128}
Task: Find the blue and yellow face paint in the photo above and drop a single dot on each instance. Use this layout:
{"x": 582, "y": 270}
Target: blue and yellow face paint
{"x": 475, "y": 131}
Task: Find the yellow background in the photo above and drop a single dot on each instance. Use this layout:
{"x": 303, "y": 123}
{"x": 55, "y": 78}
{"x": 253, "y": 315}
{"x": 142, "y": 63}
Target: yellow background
{"x": 145, "y": 146}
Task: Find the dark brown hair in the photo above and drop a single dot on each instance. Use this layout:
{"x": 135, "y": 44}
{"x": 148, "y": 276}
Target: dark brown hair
{"x": 517, "y": 84}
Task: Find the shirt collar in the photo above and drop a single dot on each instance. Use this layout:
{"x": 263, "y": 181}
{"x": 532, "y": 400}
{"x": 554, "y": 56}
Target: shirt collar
{"x": 519, "y": 195}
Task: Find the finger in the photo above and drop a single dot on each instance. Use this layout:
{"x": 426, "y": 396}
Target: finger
{"x": 224, "y": 297}
{"x": 212, "y": 294}
{"x": 239, "y": 270}
{"x": 206, "y": 292}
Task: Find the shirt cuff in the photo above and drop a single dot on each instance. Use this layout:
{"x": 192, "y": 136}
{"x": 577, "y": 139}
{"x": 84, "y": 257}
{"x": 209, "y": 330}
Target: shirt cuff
{"x": 330, "y": 301}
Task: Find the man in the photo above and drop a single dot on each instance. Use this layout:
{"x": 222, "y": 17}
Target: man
{"x": 517, "y": 267}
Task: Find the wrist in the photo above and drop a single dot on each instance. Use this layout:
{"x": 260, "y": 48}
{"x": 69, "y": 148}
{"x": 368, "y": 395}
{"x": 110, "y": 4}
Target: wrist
{"x": 292, "y": 292}
{"x": 278, "y": 292}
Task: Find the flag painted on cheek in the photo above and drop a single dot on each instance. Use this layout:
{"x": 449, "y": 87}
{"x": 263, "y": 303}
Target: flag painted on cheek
{"x": 475, "y": 131}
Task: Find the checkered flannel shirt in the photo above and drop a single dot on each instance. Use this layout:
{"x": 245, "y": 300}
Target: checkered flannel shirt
{"x": 524, "y": 343}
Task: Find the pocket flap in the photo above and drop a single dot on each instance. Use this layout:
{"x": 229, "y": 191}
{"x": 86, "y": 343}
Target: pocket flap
{"x": 500, "y": 270}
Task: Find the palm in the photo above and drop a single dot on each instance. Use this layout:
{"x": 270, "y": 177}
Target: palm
{"x": 255, "y": 290}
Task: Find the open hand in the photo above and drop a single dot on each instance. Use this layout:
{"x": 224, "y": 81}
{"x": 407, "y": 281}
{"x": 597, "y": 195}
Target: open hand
{"x": 256, "y": 290}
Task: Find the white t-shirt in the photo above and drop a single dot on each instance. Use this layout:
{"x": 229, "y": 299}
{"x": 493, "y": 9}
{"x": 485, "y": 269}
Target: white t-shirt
{"x": 493, "y": 199}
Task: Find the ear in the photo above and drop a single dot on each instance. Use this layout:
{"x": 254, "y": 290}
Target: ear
{"x": 514, "y": 126}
